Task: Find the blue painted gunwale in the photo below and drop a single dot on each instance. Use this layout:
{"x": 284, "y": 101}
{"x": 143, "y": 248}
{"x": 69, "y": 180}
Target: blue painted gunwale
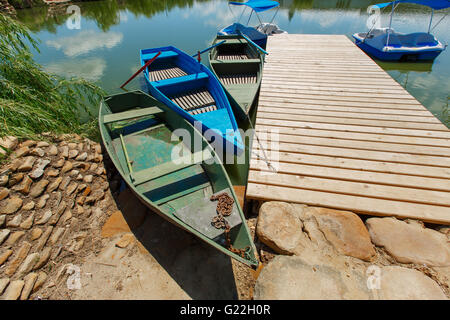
{"x": 198, "y": 76}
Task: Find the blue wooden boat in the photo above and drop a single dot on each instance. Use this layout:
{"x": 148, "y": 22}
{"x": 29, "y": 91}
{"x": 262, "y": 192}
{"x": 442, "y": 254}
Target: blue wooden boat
{"x": 192, "y": 90}
{"x": 388, "y": 45}
{"x": 259, "y": 33}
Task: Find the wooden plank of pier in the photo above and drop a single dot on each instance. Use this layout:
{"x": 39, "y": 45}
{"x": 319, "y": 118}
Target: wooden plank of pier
{"x": 348, "y": 135}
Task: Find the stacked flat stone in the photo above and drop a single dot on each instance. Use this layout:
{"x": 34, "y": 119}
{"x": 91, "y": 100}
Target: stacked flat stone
{"x": 47, "y": 189}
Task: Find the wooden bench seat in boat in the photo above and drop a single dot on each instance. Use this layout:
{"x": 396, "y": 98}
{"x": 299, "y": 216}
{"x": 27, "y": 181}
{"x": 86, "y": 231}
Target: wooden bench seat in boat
{"x": 130, "y": 114}
{"x": 160, "y": 193}
{"x": 239, "y": 78}
{"x": 167, "y": 71}
{"x": 145, "y": 175}
{"x": 180, "y": 80}
{"x": 236, "y": 61}
{"x": 195, "y": 101}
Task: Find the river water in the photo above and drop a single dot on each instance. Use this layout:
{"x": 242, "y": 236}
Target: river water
{"x": 106, "y": 47}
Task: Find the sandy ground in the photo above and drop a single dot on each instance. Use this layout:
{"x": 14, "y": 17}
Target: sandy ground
{"x": 162, "y": 262}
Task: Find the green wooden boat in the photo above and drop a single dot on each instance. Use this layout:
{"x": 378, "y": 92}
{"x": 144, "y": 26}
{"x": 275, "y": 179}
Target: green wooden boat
{"x": 155, "y": 160}
{"x": 238, "y": 65}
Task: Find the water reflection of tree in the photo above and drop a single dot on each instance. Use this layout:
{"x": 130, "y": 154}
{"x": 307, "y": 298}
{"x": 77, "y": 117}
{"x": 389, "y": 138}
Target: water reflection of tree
{"x": 38, "y": 19}
{"x": 294, "y": 6}
{"x": 105, "y": 13}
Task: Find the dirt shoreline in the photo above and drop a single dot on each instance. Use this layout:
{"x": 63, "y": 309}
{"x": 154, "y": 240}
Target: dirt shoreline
{"x": 70, "y": 229}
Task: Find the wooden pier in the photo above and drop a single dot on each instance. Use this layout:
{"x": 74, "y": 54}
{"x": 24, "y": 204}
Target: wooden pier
{"x": 350, "y": 137}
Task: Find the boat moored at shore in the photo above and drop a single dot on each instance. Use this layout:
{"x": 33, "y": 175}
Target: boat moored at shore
{"x": 191, "y": 89}
{"x": 188, "y": 190}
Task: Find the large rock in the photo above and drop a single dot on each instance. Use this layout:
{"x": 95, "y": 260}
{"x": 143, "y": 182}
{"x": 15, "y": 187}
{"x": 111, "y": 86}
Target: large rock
{"x": 20, "y": 256}
{"x": 4, "y": 233}
{"x": 64, "y": 183}
{"x": 3, "y": 283}
{"x": 14, "y": 237}
{"x": 56, "y": 235}
{"x": 45, "y": 217}
{"x": 292, "y": 278}
{"x": 30, "y": 261}
{"x": 279, "y": 227}
{"x": 43, "y": 239}
{"x": 3, "y": 179}
{"x": 52, "y": 150}
{"x": 15, "y": 222}
{"x": 35, "y": 233}
{"x": 29, "y": 206}
{"x": 345, "y": 231}
{"x": 398, "y": 283}
{"x": 44, "y": 256}
{"x": 67, "y": 167}
{"x": 24, "y": 186}
{"x": 54, "y": 185}
{"x": 39, "y": 188}
{"x": 5, "y": 255}
{"x": 28, "y": 222}
{"x": 9, "y": 142}
{"x": 410, "y": 242}
{"x": 42, "y": 144}
{"x": 4, "y": 192}
{"x": 15, "y": 179}
{"x": 27, "y": 165}
{"x": 42, "y": 276}
{"x": 10, "y": 205}
{"x": 30, "y": 280}
{"x": 42, "y": 201}
{"x": 39, "y": 169}
{"x": 38, "y": 152}
{"x": 13, "y": 290}
{"x": 21, "y": 152}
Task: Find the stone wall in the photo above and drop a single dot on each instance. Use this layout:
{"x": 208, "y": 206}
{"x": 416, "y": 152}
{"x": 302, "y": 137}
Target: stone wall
{"x": 57, "y": 193}
{"x": 54, "y": 196}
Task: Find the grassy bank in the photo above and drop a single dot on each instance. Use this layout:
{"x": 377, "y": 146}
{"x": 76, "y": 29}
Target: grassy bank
{"x": 33, "y": 101}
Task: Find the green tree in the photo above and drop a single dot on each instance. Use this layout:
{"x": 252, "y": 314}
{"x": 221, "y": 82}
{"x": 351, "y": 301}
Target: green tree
{"x": 33, "y": 101}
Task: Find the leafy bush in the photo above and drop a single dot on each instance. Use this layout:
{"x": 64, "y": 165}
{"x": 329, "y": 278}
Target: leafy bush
{"x": 33, "y": 101}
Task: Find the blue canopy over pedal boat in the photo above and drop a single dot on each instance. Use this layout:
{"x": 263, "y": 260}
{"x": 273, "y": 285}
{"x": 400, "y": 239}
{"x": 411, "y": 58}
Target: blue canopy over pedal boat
{"x": 259, "y": 33}
{"x": 191, "y": 89}
{"x": 386, "y": 44}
